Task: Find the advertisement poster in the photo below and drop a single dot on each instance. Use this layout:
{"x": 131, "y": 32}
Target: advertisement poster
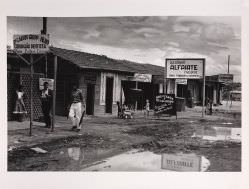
{"x": 165, "y": 104}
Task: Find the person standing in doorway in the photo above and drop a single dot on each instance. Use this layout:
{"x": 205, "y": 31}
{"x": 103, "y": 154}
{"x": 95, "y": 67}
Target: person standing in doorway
{"x": 20, "y": 108}
{"x": 75, "y": 111}
{"x": 46, "y": 99}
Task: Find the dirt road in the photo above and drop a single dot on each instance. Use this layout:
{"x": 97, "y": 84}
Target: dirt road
{"x": 219, "y": 141}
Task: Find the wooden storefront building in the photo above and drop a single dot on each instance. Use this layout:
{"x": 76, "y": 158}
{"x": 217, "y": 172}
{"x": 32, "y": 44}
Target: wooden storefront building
{"x": 101, "y": 79}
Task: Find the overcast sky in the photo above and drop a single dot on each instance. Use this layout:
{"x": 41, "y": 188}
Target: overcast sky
{"x": 145, "y": 39}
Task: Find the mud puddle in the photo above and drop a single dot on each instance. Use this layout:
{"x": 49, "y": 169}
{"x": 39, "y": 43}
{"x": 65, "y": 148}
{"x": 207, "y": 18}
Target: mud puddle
{"x": 68, "y": 154}
{"x": 189, "y": 145}
{"x": 140, "y": 160}
{"x": 217, "y": 141}
{"x": 218, "y": 134}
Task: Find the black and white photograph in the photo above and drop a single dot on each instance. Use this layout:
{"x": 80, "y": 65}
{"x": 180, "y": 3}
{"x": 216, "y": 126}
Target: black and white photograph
{"x": 129, "y": 93}
{"x": 143, "y": 94}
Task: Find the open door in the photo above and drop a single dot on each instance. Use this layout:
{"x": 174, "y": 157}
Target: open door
{"x": 90, "y": 99}
{"x": 109, "y": 95}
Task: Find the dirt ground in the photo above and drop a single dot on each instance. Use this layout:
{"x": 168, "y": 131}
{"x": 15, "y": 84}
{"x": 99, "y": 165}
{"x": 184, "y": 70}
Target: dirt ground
{"x": 160, "y": 136}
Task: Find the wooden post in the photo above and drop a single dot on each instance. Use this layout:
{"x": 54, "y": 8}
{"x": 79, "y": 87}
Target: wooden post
{"x": 44, "y": 23}
{"x": 54, "y": 93}
{"x": 165, "y": 78}
{"x": 228, "y": 64}
{"x": 44, "y": 31}
{"x": 136, "y": 97}
{"x": 31, "y": 94}
{"x": 203, "y": 90}
{"x": 46, "y": 66}
{"x": 121, "y": 100}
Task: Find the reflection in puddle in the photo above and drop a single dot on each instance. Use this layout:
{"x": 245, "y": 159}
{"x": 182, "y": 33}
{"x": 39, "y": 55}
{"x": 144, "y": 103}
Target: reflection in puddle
{"x": 137, "y": 160}
{"x": 219, "y": 133}
{"x": 227, "y": 123}
{"x": 75, "y": 153}
{"x": 184, "y": 162}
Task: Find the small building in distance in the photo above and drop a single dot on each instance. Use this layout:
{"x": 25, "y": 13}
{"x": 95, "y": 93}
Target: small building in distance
{"x": 215, "y": 88}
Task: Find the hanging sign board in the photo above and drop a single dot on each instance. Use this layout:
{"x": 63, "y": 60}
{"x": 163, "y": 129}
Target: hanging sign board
{"x": 142, "y": 77}
{"x": 181, "y": 162}
{"x": 225, "y": 78}
{"x": 182, "y": 81}
{"x": 31, "y": 43}
{"x": 165, "y": 104}
{"x": 50, "y": 83}
{"x": 184, "y": 68}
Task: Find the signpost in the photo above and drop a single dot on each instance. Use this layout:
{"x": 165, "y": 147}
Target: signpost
{"x": 184, "y": 68}
{"x": 181, "y": 68}
{"x": 31, "y": 44}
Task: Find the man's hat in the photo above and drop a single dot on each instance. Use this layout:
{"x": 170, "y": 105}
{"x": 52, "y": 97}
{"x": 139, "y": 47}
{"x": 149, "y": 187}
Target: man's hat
{"x": 45, "y": 83}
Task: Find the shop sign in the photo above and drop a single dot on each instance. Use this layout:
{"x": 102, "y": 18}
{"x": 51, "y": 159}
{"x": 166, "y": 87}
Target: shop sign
{"x": 165, "y": 104}
{"x": 184, "y": 68}
{"x": 50, "y": 83}
{"x": 181, "y": 81}
{"x": 225, "y": 78}
{"x": 181, "y": 162}
{"x": 31, "y": 43}
{"x": 142, "y": 77}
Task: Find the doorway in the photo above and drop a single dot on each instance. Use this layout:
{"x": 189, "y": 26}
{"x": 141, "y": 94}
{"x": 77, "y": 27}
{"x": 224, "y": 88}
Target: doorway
{"x": 109, "y": 95}
{"x": 182, "y": 90}
{"x": 90, "y": 99}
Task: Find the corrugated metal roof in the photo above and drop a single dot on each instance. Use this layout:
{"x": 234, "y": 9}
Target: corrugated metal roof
{"x": 101, "y": 62}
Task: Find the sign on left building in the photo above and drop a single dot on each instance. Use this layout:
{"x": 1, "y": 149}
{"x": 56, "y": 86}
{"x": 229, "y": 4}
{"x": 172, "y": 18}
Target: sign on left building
{"x": 31, "y": 43}
{"x": 49, "y": 81}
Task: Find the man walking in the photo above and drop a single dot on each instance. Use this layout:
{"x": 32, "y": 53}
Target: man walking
{"x": 46, "y": 99}
{"x": 75, "y": 111}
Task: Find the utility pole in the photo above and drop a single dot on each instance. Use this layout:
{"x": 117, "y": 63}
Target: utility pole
{"x": 44, "y": 25}
{"x": 228, "y": 64}
{"x": 203, "y": 87}
{"x": 229, "y": 85}
{"x": 44, "y": 31}
{"x": 31, "y": 95}
{"x": 54, "y": 93}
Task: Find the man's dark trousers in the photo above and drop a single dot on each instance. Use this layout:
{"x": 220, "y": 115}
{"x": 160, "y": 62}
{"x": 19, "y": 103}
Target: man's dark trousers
{"x": 46, "y": 107}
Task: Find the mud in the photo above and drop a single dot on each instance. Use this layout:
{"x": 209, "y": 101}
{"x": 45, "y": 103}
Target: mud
{"x": 79, "y": 152}
{"x": 224, "y": 155}
{"x": 25, "y": 158}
